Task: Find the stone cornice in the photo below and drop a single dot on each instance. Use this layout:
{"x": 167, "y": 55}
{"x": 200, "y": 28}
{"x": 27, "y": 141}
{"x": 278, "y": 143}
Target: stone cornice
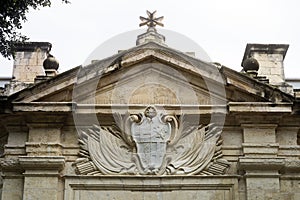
{"x": 42, "y": 107}
{"x": 248, "y": 84}
{"x": 44, "y": 88}
{"x": 10, "y": 164}
{"x": 265, "y": 48}
{"x": 259, "y": 107}
{"x": 42, "y": 162}
{"x": 291, "y": 166}
{"x": 134, "y": 109}
{"x": 257, "y": 163}
{"x": 32, "y": 46}
{"x": 68, "y": 107}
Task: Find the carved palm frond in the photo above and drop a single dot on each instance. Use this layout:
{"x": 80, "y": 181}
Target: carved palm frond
{"x": 178, "y": 145}
{"x": 107, "y": 151}
{"x": 194, "y": 151}
{"x": 121, "y": 129}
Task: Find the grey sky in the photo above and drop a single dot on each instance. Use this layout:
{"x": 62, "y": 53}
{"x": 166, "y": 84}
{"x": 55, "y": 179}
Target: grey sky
{"x": 221, "y": 28}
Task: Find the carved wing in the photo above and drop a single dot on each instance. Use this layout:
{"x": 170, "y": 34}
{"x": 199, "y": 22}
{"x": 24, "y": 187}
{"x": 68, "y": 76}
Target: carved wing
{"x": 107, "y": 150}
{"x": 194, "y": 150}
{"x": 188, "y": 149}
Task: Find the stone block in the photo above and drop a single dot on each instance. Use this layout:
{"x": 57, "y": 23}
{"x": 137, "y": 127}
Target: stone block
{"x": 287, "y": 136}
{"x": 296, "y": 195}
{"x": 38, "y": 194}
{"x": 17, "y": 138}
{"x": 290, "y": 185}
{"x": 263, "y": 184}
{"x": 262, "y": 165}
{"x": 260, "y": 150}
{"x": 12, "y": 195}
{"x": 277, "y": 196}
{"x": 262, "y": 188}
{"x": 150, "y": 195}
{"x": 41, "y": 183}
{"x": 255, "y": 194}
{"x": 43, "y": 149}
{"x": 259, "y": 133}
{"x": 12, "y": 189}
{"x": 175, "y": 188}
{"x": 275, "y": 70}
{"x": 44, "y": 135}
{"x": 232, "y": 137}
{"x": 69, "y": 136}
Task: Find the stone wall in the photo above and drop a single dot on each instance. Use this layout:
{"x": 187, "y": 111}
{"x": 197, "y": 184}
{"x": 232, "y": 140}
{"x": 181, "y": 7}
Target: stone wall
{"x": 264, "y": 162}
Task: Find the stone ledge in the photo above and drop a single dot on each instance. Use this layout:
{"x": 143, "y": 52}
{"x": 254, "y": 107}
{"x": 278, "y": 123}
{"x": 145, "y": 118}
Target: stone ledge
{"x": 42, "y": 162}
{"x": 66, "y": 107}
{"x": 14, "y": 150}
{"x": 43, "y": 149}
{"x": 211, "y": 178}
{"x": 259, "y": 107}
{"x": 135, "y": 109}
{"x": 125, "y": 185}
{"x": 42, "y": 107}
{"x": 260, "y": 149}
{"x": 265, "y": 164}
{"x": 290, "y": 177}
{"x": 10, "y": 164}
{"x": 32, "y": 46}
{"x": 272, "y": 174}
{"x": 291, "y": 166}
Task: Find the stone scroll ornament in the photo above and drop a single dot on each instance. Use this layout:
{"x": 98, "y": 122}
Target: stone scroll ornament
{"x": 151, "y": 143}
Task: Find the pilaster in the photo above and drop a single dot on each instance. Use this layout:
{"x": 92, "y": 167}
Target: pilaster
{"x": 259, "y": 140}
{"x": 44, "y": 136}
{"x": 12, "y": 172}
{"x": 12, "y": 179}
{"x": 42, "y": 177}
{"x": 260, "y": 163}
{"x": 43, "y": 162}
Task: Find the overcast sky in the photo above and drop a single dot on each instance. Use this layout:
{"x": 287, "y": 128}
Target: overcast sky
{"x": 221, "y": 28}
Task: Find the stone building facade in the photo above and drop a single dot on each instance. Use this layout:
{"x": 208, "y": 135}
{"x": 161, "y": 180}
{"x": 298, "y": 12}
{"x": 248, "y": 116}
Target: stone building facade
{"x": 150, "y": 122}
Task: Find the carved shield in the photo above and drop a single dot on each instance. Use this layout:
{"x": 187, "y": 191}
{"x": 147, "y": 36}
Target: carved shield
{"x": 151, "y": 136}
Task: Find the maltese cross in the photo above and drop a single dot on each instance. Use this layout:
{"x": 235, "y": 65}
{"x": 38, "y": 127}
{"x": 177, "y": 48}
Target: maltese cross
{"x": 151, "y": 21}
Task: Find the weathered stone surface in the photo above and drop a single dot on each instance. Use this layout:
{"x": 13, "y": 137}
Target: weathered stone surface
{"x": 238, "y": 121}
{"x": 270, "y": 58}
{"x": 13, "y": 189}
{"x": 151, "y": 143}
{"x": 152, "y": 188}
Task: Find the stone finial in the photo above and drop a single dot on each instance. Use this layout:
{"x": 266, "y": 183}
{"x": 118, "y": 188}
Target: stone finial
{"x": 50, "y": 65}
{"x": 251, "y": 66}
{"x": 151, "y": 35}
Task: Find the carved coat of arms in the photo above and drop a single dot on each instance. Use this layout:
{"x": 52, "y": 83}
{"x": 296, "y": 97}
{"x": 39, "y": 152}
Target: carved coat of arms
{"x": 151, "y": 143}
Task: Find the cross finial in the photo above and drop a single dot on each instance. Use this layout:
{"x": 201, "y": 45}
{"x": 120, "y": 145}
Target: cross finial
{"x": 151, "y": 21}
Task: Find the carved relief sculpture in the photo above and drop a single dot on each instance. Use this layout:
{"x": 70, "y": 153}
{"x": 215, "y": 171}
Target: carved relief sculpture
{"x": 151, "y": 143}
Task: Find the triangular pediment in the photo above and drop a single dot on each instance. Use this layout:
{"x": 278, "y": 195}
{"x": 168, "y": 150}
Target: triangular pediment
{"x": 151, "y": 74}
{"x": 148, "y": 82}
